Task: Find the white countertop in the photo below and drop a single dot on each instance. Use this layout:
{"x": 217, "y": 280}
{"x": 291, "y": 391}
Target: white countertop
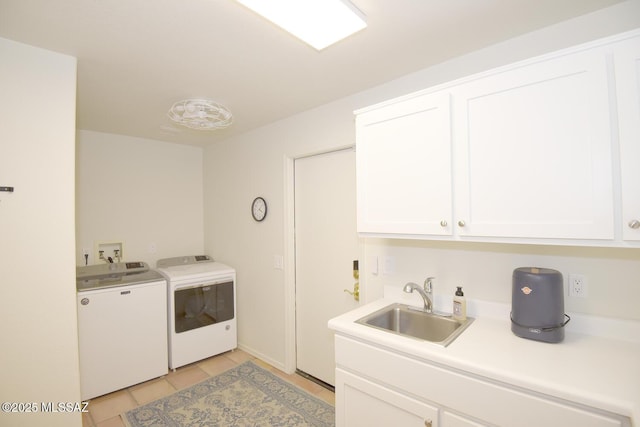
{"x": 596, "y": 371}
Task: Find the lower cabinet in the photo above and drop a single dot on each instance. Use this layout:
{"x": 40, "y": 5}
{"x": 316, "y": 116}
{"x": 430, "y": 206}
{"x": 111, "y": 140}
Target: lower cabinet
{"x": 365, "y": 403}
{"x": 378, "y": 387}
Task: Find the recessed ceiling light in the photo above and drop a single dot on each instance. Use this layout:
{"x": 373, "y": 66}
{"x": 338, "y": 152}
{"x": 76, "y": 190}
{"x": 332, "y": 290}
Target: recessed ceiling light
{"x": 201, "y": 114}
{"x": 319, "y": 23}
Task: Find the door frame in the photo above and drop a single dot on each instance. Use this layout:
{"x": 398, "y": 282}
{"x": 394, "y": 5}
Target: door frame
{"x": 290, "y": 255}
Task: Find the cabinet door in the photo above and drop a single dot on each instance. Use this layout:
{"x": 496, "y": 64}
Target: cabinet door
{"x": 627, "y": 69}
{"x": 533, "y": 151}
{"x": 360, "y": 402}
{"x": 403, "y": 160}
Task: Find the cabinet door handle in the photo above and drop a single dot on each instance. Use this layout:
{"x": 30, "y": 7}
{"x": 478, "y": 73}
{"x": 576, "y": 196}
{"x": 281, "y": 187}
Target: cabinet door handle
{"x": 427, "y": 423}
{"x": 461, "y": 223}
{"x": 634, "y": 223}
{"x": 443, "y": 223}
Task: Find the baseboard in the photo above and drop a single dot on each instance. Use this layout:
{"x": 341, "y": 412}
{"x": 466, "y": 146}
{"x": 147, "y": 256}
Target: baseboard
{"x": 255, "y": 353}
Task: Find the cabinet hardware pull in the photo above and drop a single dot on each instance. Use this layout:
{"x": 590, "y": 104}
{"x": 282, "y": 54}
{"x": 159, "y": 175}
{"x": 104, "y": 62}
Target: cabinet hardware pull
{"x": 443, "y": 223}
{"x": 427, "y": 423}
{"x": 634, "y": 223}
{"x": 461, "y": 223}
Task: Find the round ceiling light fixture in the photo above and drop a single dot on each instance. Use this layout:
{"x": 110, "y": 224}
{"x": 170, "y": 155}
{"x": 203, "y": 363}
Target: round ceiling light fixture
{"x": 201, "y": 114}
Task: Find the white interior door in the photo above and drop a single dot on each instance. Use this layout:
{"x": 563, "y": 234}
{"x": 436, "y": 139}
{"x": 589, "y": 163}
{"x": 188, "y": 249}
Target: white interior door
{"x": 326, "y": 244}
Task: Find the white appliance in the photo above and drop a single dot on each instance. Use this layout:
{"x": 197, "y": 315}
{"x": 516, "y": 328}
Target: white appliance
{"x": 201, "y": 308}
{"x": 122, "y": 326}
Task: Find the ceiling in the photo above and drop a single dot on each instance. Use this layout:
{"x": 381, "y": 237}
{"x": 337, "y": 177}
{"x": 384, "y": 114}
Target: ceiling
{"x": 137, "y": 57}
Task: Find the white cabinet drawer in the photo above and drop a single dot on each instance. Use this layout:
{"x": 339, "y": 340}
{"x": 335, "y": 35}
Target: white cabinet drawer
{"x": 495, "y": 403}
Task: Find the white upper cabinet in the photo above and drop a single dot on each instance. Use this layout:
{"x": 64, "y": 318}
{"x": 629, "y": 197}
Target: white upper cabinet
{"x": 526, "y": 153}
{"x": 403, "y": 167}
{"x": 533, "y": 151}
{"x": 627, "y": 71}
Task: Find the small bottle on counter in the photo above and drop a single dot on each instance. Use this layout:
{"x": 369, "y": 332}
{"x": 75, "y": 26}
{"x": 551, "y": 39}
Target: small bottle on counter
{"x": 459, "y": 305}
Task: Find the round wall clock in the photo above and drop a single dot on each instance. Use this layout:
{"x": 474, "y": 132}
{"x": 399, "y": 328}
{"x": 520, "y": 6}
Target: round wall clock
{"x": 259, "y": 209}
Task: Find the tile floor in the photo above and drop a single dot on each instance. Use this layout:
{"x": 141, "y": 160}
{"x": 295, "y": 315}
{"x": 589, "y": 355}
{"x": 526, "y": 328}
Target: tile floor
{"x": 104, "y": 411}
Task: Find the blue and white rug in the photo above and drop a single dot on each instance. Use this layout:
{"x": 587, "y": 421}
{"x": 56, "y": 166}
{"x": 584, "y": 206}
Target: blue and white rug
{"x": 246, "y": 395}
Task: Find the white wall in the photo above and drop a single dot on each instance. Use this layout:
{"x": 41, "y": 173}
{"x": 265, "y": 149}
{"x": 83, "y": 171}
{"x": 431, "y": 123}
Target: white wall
{"x": 144, "y": 193}
{"x": 39, "y": 356}
{"x": 236, "y": 172}
{"x": 485, "y": 270}
{"x": 253, "y": 164}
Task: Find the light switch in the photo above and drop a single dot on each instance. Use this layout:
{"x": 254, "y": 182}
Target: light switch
{"x": 278, "y": 262}
{"x": 373, "y": 265}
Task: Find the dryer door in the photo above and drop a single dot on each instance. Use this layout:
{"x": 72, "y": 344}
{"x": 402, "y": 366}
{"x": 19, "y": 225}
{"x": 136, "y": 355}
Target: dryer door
{"x": 203, "y": 305}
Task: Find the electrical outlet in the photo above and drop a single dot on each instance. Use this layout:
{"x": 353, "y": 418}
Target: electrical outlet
{"x": 578, "y": 286}
{"x": 388, "y": 265}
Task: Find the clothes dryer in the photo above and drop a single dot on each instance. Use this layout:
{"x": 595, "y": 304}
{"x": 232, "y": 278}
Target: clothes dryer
{"x": 201, "y": 308}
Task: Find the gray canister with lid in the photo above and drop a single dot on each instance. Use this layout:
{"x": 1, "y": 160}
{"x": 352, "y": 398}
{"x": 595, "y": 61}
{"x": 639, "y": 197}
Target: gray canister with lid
{"x": 537, "y": 304}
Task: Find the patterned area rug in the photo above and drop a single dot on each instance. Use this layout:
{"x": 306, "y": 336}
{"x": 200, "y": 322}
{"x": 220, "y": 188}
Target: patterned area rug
{"x": 246, "y": 395}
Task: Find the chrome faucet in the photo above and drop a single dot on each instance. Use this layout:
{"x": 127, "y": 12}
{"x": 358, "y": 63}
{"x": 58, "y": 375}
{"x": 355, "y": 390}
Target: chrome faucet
{"x": 426, "y": 292}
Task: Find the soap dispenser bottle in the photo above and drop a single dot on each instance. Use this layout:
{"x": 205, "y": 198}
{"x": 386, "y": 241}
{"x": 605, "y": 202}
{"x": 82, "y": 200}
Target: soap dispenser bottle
{"x": 459, "y": 305}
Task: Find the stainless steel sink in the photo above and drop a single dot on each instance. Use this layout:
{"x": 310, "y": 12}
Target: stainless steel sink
{"x": 412, "y": 322}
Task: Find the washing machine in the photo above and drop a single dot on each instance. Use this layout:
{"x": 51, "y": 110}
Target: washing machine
{"x": 201, "y": 303}
{"x": 122, "y": 326}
